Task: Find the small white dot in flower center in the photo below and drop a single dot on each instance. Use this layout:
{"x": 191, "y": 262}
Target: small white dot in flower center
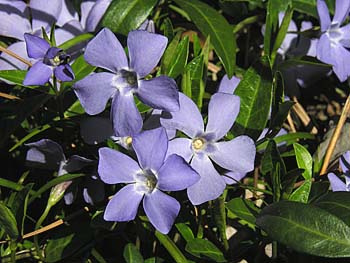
{"x": 128, "y": 140}
{"x": 198, "y": 143}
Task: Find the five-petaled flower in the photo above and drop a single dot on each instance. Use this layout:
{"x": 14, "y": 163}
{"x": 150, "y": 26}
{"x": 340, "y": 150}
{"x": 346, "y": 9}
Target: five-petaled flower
{"x": 51, "y": 60}
{"x": 332, "y": 48}
{"x": 126, "y": 78}
{"x": 203, "y": 146}
{"x": 146, "y": 180}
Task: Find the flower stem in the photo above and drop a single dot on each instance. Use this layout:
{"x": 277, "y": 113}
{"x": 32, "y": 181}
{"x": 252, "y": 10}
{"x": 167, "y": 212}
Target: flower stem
{"x": 173, "y": 250}
{"x": 37, "y": 226}
{"x": 12, "y": 54}
{"x": 335, "y": 136}
{"x": 220, "y": 219}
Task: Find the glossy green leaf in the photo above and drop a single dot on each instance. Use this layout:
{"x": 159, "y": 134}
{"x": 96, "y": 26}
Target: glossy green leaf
{"x": 280, "y": 117}
{"x": 169, "y": 53}
{"x": 306, "y": 228}
{"x": 122, "y": 16}
{"x": 81, "y": 68}
{"x": 185, "y": 231}
{"x": 131, "y": 254}
{"x": 255, "y": 92}
{"x": 75, "y": 41}
{"x": 168, "y": 29}
{"x": 336, "y": 203}
{"x": 304, "y": 160}
{"x": 202, "y": 247}
{"x": 244, "y": 209}
{"x": 8, "y": 222}
{"x": 14, "y": 76}
{"x": 211, "y": 23}
{"x": 301, "y": 194}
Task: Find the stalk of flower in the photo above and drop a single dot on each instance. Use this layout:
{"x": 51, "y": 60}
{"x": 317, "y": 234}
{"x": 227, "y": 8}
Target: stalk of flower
{"x": 204, "y": 146}
{"x": 125, "y": 79}
{"x": 50, "y": 61}
{"x": 145, "y": 180}
{"x": 332, "y": 47}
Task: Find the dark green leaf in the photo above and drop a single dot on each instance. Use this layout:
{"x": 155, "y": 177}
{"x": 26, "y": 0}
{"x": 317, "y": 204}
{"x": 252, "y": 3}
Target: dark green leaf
{"x": 178, "y": 60}
{"x": 336, "y": 203}
{"x": 244, "y": 209}
{"x": 76, "y": 40}
{"x": 185, "y": 231}
{"x": 255, "y": 92}
{"x": 8, "y": 222}
{"x": 213, "y": 24}
{"x": 131, "y": 254}
{"x": 309, "y": 6}
{"x": 154, "y": 260}
{"x": 122, "y": 16}
{"x": 168, "y": 29}
{"x": 301, "y": 194}
{"x": 280, "y": 117}
{"x": 205, "y": 248}
{"x": 14, "y": 76}
{"x": 306, "y": 228}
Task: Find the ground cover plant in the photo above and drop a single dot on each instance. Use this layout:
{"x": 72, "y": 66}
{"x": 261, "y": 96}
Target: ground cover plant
{"x": 174, "y": 131}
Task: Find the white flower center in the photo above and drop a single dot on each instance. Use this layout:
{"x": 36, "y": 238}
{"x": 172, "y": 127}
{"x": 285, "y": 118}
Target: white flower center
{"x": 334, "y": 33}
{"x": 146, "y": 181}
{"x": 198, "y": 144}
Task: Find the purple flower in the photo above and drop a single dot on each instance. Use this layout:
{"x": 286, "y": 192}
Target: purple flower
{"x": 204, "y": 146}
{"x": 332, "y": 48}
{"x": 145, "y": 179}
{"x": 336, "y": 183}
{"x": 126, "y": 79}
{"x": 51, "y": 60}
{"x": 47, "y": 154}
{"x": 228, "y": 85}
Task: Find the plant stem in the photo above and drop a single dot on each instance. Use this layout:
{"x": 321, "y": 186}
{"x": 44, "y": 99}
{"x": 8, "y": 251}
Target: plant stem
{"x": 37, "y": 226}
{"x": 173, "y": 250}
{"x": 245, "y": 22}
{"x": 335, "y": 136}
{"x": 12, "y": 54}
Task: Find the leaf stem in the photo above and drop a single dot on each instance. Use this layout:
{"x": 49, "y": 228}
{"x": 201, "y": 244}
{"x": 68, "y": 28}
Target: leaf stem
{"x": 335, "y": 136}
{"x": 12, "y": 54}
{"x": 170, "y": 246}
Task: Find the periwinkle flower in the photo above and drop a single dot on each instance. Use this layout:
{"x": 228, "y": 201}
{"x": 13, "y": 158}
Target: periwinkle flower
{"x": 336, "y": 183}
{"x": 51, "y": 60}
{"x": 204, "y": 146}
{"x": 126, "y": 79}
{"x": 145, "y": 180}
{"x": 332, "y": 47}
{"x": 47, "y": 154}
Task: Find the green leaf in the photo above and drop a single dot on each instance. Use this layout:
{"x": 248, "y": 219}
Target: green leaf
{"x": 309, "y": 6}
{"x": 131, "y": 254}
{"x": 304, "y": 160}
{"x": 213, "y": 24}
{"x": 178, "y": 60}
{"x": 14, "y": 76}
{"x": 185, "y": 231}
{"x": 8, "y": 222}
{"x": 302, "y": 193}
{"x": 198, "y": 247}
{"x": 255, "y": 92}
{"x": 75, "y": 109}
{"x": 280, "y": 117}
{"x": 76, "y": 40}
{"x": 168, "y": 29}
{"x": 154, "y": 260}
{"x": 306, "y": 228}
{"x": 122, "y": 16}
{"x": 336, "y": 203}
{"x": 81, "y": 68}
{"x": 244, "y": 209}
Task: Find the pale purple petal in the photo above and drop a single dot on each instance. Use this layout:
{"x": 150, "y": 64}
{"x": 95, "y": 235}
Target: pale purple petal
{"x": 8, "y": 62}
{"x": 70, "y": 30}
{"x": 159, "y": 93}
{"x": 127, "y": 120}
{"x": 290, "y": 39}
{"x": 222, "y": 113}
{"x": 345, "y": 40}
{"x": 150, "y": 147}
{"x": 36, "y": 46}
{"x": 161, "y": 210}
{"x": 13, "y": 22}
{"x": 228, "y": 85}
{"x": 176, "y": 174}
{"x": 211, "y": 184}
{"x": 237, "y": 155}
{"x": 64, "y": 73}
{"x": 182, "y": 147}
{"x": 67, "y": 13}
{"x": 85, "y": 8}
{"x": 44, "y": 14}
{"x": 105, "y": 51}
{"x": 45, "y": 153}
{"x": 325, "y": 52}
{"x": 38, "y": 74}
{"x": 323, "y": 13}
{"x": 124, "y": 205}
{"x": 336, "y": 183}
{"x": 345, "y": 162}
{"x": 95, "y": 14}
{"x": 75, "y": 163}
{"x": 95, "y": 130}
{"x": 94, "y": 91}
{"x": 93, "y": 191}
{"x": 233, "y": 177}
{"x": 341, "y": 11}
{"x": 145, "y": 50}
{"x": 341, "y": 67}
{"x": 115, "y": 167}
{"x": 188, "y": 119}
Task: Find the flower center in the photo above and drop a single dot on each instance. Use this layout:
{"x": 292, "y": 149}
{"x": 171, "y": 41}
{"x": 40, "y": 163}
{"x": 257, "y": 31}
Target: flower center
{"x": 128, "y": 140}
{"x": 334, "y": 33}
{"x": 198, "y": 143}
{"x": 146, "y": 181}
{"x": 56, "y": 57}
{"x": 130, "y": 77}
